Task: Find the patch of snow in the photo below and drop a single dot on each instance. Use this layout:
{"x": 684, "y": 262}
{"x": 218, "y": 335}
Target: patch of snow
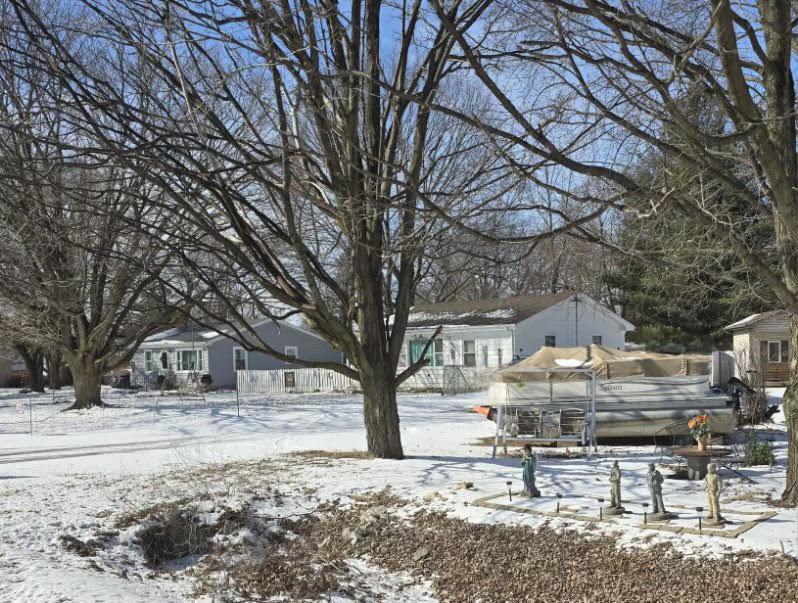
{"x": 79, "y": 470}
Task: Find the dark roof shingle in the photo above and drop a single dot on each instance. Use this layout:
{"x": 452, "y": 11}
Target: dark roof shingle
{"x": 503, "y": 311}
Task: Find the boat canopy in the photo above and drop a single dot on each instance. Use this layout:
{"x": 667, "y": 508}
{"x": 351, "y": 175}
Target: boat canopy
{"x": 606, "y": 363}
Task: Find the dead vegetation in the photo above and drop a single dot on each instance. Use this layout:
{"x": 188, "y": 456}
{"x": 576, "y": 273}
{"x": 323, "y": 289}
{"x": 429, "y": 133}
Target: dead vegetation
{"x": 177, "y": 529}
{"x": 79, "y": 547}
{"x": 179, "y": 534}
{"x": 331, "y": 454}
{"x": 497, "y": 563}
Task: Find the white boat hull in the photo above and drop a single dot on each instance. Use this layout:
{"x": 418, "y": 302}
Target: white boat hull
{"x": 632, "y": 407}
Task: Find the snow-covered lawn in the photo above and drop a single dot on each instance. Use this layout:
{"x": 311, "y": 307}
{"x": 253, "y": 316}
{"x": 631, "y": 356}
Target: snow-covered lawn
{"x": 80, "y": 471}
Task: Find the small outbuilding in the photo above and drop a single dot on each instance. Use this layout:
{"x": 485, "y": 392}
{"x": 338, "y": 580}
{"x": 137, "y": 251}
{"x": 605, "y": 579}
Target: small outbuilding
{"x": 761, "y": 344}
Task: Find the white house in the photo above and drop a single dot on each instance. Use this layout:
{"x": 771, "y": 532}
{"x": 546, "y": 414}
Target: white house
{"x": 495, "y": 332}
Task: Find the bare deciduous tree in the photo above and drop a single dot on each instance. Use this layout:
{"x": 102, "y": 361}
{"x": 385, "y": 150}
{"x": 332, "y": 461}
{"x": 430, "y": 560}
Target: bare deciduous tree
{"x": 616, "y": 76}
{"x": 299, "y": 153}
{"x": 76, "y": 267}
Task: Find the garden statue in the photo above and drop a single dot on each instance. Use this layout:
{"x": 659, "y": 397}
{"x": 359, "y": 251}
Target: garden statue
{"x": 712, "y": 485}
{"x": 530, "y": 465}
{"x": 615, "y": 507}
{"x": 655, "y": 480}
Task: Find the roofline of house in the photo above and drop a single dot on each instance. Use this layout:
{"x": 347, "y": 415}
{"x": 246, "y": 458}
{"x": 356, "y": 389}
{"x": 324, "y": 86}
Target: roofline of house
{"x": 209, "y": 340}
{"x": 280, "y": 324}
{"x": 753, "y": 320}
{"x": 504, "y": 325}
{"x": 620, "y": 320}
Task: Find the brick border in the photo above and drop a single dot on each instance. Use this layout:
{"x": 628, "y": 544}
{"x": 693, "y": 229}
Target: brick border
{"x": 663, "y": 526}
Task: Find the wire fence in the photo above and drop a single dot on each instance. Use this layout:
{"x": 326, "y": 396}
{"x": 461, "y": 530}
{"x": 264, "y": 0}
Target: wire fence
{"x": 29, "y": 406}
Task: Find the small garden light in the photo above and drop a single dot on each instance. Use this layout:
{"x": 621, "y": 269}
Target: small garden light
{"x": 601, "y": 508}
{"x": 700, "y": 510}
{"x": 559, "y": 496}
{"x": 645, "y": 513}
{"x": 510, "y": 490}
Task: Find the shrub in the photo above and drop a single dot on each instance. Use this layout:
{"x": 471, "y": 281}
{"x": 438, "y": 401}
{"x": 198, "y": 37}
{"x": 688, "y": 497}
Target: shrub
{"x": 179, "y": 534}
{"x": 758, "y": 453}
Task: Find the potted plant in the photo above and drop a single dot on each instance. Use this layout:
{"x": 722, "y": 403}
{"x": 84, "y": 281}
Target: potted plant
{"x": 700, "y": 430}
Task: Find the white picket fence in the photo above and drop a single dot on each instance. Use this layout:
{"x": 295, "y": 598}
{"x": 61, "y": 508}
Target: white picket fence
{"x": 294, "y": 380}
{"x": 307, "y": 380}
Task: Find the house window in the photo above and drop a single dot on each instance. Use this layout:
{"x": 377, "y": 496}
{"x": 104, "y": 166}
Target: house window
{"x": 550, "y": 341}
{"x": 484, "y": 355}
{"x": 437, "y": 357}
{"x": 164, "y": 360}
{"x": 469, "y": 353}
{"x": 189, "y": 360}
{"x": 416, "y": 349}
{"x": 403, "y": 356}
{"x": 499, "y": 355}
{"x": 776, "y": 351}
{"x": 434, "y": 354}
{"x": 292, "y": 350}
{"x": 597, "y": 339}
{"x": 148, "y": 365}
{"x": 240, "y": 359}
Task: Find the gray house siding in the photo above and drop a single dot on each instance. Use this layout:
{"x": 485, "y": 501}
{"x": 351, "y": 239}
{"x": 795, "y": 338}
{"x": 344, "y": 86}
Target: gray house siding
{"x": 217, "y": 352}
{"x": 310, "y": 347}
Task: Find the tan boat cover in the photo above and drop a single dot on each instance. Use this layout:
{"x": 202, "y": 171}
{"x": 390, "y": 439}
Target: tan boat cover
{"x": 606, "y": 362}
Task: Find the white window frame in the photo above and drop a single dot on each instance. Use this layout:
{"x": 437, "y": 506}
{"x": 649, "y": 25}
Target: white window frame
{"x": 782, "y": 354}
{"x": 148, "y": 363}
{"x": 403, "y": 355}
{"x": 437, "y": 356}
{"x": 472, "y": 353}
{"x": 245, "y": 356}
{"x": 200, "y": 364}
{"x": 163, "y": 357}
{"x": 289, "y": 348}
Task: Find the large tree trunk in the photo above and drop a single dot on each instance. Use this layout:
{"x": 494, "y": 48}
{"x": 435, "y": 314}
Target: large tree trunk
{"x": 34, "y": 362}
{"x": 380, "y": 412}
{"x": 36, "y": 370}
{"x": 87, "y": 383}
{"x": 790, "y": 401}
{"x": 54, "y": 370}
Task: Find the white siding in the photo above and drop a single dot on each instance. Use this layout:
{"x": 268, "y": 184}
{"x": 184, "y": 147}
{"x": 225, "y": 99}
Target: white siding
{"x": 497, "y": 340}
{"x": 171, "y": 356}
{"x": 741, "y": 348}
{"x": 561, "y": 321}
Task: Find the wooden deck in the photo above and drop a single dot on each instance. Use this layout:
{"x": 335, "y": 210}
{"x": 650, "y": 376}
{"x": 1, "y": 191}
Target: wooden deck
{"x": 777, "y": 373}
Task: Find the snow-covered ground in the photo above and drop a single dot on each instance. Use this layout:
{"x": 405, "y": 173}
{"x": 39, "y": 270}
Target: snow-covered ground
{"x": 78, "y": 470}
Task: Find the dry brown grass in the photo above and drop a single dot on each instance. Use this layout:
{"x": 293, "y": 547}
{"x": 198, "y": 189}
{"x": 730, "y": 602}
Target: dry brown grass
{"x": 497, "y": 563}
{"x": 330, "y": 454}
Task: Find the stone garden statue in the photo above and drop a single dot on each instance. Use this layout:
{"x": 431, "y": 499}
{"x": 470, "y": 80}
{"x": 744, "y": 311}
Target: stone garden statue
{"x": 713, "y": 485}
{"x": 615, "y": 507}
{"x": 655, "y": 480}
{"x": 530, "y": 465}
{"x": 615, "y": 486}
